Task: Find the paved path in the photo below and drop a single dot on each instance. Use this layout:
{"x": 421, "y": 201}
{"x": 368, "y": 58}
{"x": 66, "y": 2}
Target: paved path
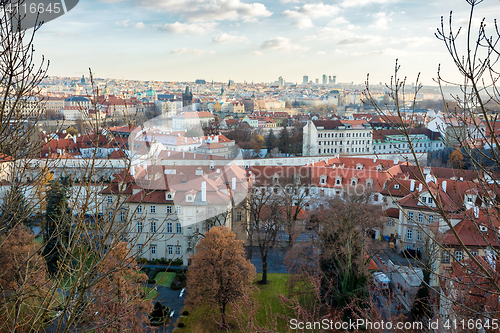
{"x": 169, "y": 297}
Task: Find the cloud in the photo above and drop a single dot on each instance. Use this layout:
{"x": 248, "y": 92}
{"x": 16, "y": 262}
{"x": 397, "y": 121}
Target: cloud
{"x": 185, "y": 50}
{"x": 381, "y": 21}
{"x": 127, "y": 23}
{"x": 202, "y": 10}
{"x": 124, "y": 23}
{"x": 226, "y": 38}
{"x": 313, "y": 10}
{"x": 187, "y": 28}
{"x": 359, "y": 3}
{"x": 281, "y": 44}
{"x": 303, "y": 23}
{"x": 257, "y": 53}
{"x": 321, "y": 52}
{"x": 354, "y": 40}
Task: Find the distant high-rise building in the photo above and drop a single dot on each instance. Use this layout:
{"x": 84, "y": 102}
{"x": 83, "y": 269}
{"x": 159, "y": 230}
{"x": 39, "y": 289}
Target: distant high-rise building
{"x": 330, "y": 79}
{"x": 334, "y": 79}
{"x": 281, "y": 81}
{"x": 317, "y": 81}
{"x": 200, "y": 81}
{"x": 324, "y": 79}
{"x": 187, "y": 97}
{"x": 305, "y": 79}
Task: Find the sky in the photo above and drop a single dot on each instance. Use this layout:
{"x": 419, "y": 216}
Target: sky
{"x": 254, "y": 40}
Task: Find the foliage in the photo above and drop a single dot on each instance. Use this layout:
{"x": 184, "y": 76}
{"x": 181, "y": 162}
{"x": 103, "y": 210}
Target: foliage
{"x": 71, "y": 131}
{"x": 57, "y": 224}
{"x": 219, "y": 273}
{"x": 14, "y": 210}
{"x": 422, "y": 307}
{"x": 117, "y": 300}
{"x": 160, "y": 314}
{"x": 456, "y": 160}
{"x": 24, "y": 283}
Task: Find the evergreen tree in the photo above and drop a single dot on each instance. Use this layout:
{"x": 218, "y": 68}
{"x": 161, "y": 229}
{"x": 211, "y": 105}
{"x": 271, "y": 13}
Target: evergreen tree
{"x": 270, "y": 140}
{"x": 284, "y": 145}
{"x": 14, "y": 210}
{"x": 422, "y": 305}
{"x": 57, "y": 223}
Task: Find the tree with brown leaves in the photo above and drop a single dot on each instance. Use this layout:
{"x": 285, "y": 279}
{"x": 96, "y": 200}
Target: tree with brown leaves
{"x": 219, "y": 273}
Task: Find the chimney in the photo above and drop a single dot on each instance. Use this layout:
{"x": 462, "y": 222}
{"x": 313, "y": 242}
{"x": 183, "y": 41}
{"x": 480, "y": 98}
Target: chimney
{"x": 420, "y": 187}
{"x": 194, "y": 156}
{"x": 204, "y": 191}
{"x": 168, "y": 154}
{"x": 444, "y": 186}
{"x": 233, "y": 185}
{"x": 396, "y": 161}
{"x": 374, "y": 160}
{"x": 183, "y": 154}
{"x": 412, "y": 185}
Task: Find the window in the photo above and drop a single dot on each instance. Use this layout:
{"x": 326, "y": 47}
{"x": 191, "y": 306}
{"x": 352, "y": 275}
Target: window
{"x": 169, "y": 196}
{"x": 179, "y": 228}
{"x": 409, "y": 234}
{"x": 169, "y": 227}
{"x": 430, "y": 201}
{"x": 139, "y": 226}
{"x": 323, "y": 180}
{"x": 153, "y": 226}
{"x": 139, "y": 248}
{"x": 178, "y": 209}
{"x": 445, "y": 257}
{"x": 474, "y": 253}
{"x": 210, "y": 210}
{"x": 110, "y": 215}
{"x": 459, "y": 255}
{"x": 391, "y": 222}
{"x": 153, "y": 249}
{"x": 469, "y": 199}
{"x": 238, "y": 215}
{"x": 170, "y": 249}
{"x": 152, "y": 209}
{"x": 169, "y": 209}
{"x": 420, "y": 218}
{"x": 410, "y": 216}
{"x": 110, "y": 199}
{"x": 123, "y": 216}
{"x": 419, "y": 235}
{"x": 424, "y": 199}
{"x": 178, "y": 250}
{"x": 139, "y": 209}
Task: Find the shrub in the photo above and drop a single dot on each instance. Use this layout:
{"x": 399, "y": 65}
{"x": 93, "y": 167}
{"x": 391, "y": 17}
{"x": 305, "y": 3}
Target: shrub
{"x": 178, "y": 282}
{"x": 185, "y": 313}
{"x": 163, "y": 261}
{"x": 159, "y": 315}
{"x": 151, "y": 275}
{"x": 156, "y": 261}
{"x": 180, "y": 325}
{"x": 177, "y": 262}
{"x": 142, "y": 261}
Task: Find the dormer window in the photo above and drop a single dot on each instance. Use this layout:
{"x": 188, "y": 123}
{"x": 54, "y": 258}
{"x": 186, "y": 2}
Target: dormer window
{"x": 322, "y": 180}
{"x": 369, "y": 182}
{"x": 483, "y": 228}
{"x": 359, "y": 166}
{"x": 338, "y": 181}
{"x": 354, "y": 181}
{"x": 396, "y": 186}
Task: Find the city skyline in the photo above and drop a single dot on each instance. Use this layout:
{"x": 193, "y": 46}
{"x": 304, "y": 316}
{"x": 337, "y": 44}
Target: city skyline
{"x": 254, "y": 42}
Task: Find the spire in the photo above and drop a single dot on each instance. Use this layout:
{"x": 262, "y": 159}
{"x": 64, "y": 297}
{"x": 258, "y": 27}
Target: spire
{"x": 222, "y": 90}
{"x": 187, "y": 89}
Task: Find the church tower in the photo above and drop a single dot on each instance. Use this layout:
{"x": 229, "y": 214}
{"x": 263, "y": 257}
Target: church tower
{"x": 187, "y": 97}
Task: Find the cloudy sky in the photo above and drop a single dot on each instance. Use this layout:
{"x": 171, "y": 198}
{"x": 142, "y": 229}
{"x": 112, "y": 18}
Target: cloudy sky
{"x": 253, "y": 40}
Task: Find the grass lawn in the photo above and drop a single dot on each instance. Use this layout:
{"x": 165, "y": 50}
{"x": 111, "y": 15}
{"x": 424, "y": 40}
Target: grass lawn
{"x": 165, "y": 278}
{"x": 150, "y": 293}
{"x": 202, "y": 320}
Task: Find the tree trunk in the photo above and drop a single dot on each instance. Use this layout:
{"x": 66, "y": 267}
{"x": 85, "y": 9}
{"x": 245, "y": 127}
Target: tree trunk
{"x": 264, "y": 272}
{"x": 223, "y": 313}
